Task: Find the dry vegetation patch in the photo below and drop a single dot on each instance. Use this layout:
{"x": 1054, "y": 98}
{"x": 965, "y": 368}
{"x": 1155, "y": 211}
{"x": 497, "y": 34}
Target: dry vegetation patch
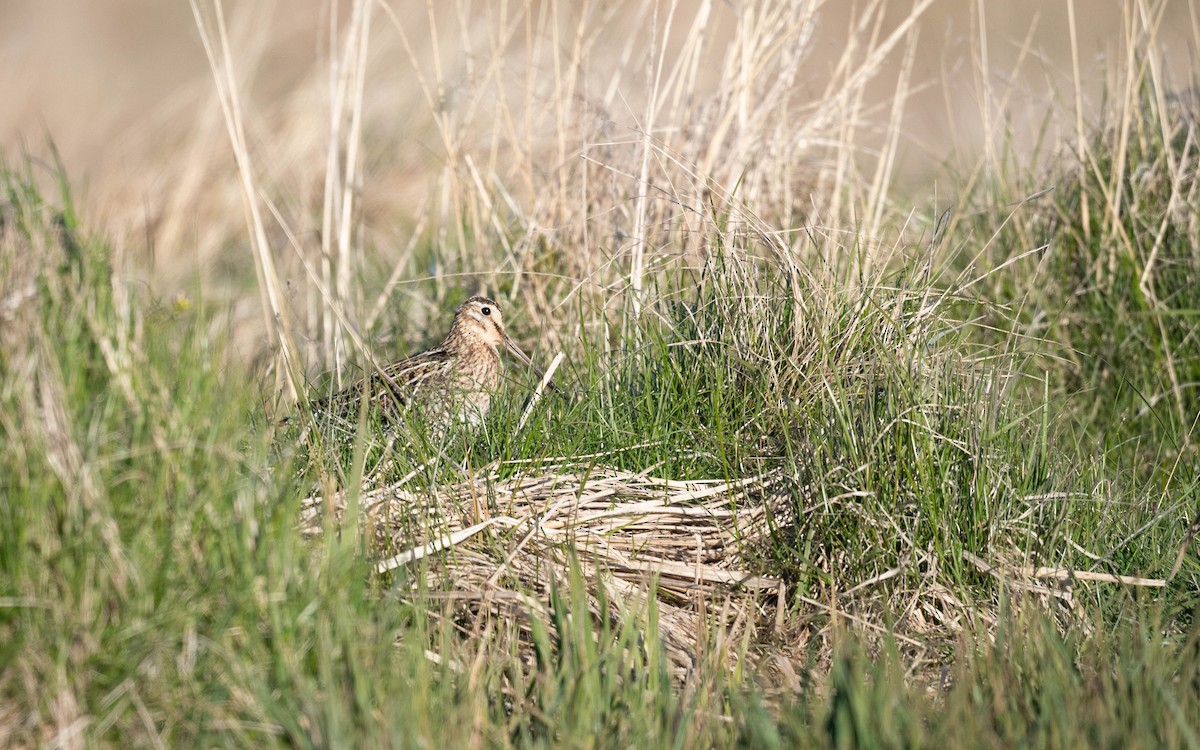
{"x": 502, "y": 544}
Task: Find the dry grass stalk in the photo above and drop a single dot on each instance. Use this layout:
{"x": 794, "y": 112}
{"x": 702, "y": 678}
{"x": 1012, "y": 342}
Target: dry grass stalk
{"x": 1066, "y": 577}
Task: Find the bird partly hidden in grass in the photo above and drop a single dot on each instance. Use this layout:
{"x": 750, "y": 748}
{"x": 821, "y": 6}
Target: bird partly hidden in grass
{"x": 448, "y": 386}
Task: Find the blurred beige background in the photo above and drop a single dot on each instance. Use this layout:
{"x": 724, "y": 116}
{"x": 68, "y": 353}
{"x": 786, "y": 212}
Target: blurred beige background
{"x": 95, "y": 74}
{"x": 125, "y": 91}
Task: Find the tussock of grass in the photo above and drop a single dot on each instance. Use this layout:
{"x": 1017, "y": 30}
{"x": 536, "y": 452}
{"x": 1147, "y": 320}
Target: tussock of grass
{"x": 919, "y": 420}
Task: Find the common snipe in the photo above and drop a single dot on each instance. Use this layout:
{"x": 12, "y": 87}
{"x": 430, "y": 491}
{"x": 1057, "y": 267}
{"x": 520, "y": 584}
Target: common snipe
{"x": 449, "y": 384}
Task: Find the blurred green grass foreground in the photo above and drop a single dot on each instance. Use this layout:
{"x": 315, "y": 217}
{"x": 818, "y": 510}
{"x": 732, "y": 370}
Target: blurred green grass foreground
{"x": 978, "y": 425}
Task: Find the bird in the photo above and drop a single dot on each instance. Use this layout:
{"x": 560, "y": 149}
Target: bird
{"x": 446, "y": 387}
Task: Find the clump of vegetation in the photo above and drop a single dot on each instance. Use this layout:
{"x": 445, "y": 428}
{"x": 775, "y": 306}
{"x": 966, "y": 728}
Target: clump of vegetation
{"x": 811, "y": 488}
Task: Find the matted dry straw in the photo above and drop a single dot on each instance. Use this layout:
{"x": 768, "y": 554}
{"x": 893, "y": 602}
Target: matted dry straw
{"x": 499, "y": 544}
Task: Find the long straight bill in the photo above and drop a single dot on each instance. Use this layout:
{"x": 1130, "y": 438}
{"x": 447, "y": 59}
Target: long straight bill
{"x": 525, "y": 360}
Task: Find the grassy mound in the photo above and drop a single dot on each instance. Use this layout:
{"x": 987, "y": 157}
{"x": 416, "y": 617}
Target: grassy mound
{"x": 815, "y": 488}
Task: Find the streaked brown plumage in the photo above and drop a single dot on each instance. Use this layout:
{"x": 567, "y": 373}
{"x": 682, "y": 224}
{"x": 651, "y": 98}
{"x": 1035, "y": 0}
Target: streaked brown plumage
{"x": 451, "y": 383}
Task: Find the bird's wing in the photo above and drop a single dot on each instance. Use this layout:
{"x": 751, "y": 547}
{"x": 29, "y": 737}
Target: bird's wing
{"x": 406, "y": 378}
{"x": 391, "y": 388}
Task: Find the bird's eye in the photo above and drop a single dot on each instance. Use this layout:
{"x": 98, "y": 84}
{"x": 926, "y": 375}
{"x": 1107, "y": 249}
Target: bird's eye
{"x": 486, "y": 311}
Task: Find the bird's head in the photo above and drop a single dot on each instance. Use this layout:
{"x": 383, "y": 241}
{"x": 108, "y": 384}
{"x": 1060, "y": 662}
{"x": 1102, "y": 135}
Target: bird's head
{"x": 480, "y": 319}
